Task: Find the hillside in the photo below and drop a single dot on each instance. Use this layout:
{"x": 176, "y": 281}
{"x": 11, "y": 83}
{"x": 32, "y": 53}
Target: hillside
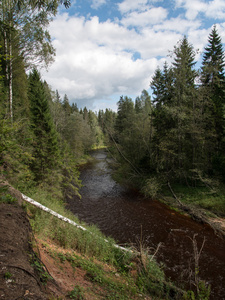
{"x": 35, "y": 267}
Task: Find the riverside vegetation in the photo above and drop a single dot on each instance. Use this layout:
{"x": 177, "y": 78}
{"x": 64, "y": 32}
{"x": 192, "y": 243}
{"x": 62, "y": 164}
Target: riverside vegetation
{"x": 171, "y": 145}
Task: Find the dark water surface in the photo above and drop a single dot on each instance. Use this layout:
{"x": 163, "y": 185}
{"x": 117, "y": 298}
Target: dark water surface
{"x": 123, "y": 214}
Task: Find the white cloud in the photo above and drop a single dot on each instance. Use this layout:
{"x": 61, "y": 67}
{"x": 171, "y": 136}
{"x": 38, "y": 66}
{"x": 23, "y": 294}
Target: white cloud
{"x": 131, "y": 5}
{"x": 86, "y": 70}
{"x": 212, "y": 9}
{"x": 95, "y": 60}
{"x": 178, "y": 25}
{"x": 140, "y": 19}
{"x": 97, "y": 3}
{"x": 216, "y": 9}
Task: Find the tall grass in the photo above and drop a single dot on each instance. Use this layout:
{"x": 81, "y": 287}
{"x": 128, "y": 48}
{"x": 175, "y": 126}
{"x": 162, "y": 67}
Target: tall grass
{"x": 91, "y": 242}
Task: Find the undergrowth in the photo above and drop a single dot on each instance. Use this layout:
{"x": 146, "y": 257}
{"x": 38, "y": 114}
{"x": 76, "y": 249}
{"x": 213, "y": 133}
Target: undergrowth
{"x": 210, "y": 199}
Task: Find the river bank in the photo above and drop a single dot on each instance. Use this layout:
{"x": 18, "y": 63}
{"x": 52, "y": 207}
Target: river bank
{"x": 68, "y": 263}
{"x": 204, "y": 204}
{"x": 126, "y": 215}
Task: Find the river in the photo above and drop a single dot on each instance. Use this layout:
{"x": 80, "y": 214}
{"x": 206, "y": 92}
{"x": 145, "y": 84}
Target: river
{"x": 126, "y": 216}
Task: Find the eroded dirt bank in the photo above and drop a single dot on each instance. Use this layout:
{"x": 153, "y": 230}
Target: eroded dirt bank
{"x": 18, "y": 278}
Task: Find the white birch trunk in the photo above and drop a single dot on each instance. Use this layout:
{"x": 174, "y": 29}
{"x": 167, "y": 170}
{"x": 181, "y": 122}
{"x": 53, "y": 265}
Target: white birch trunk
{"x": 35, "y": 203}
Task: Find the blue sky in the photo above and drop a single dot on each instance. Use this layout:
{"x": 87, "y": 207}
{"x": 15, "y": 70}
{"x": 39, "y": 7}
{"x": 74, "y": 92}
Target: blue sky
{"x": 105, "y": 49}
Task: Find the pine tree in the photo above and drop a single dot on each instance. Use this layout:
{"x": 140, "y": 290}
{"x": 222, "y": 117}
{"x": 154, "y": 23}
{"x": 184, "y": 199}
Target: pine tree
{"x": 45, "y": 144}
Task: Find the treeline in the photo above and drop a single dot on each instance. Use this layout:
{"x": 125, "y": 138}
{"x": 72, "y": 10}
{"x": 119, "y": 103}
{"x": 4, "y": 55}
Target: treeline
{"x": 179, "y": 135}
{"x": 46, "y": 143}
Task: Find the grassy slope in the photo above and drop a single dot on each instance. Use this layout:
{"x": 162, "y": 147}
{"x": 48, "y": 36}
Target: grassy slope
{"x": 136, "y": 278}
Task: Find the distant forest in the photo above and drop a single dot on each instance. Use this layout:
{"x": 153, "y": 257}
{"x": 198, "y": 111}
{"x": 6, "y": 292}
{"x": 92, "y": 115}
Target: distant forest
{"x": 178, "y": 136}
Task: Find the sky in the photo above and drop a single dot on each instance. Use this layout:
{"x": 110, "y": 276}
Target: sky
{"x": 106, "y": 49}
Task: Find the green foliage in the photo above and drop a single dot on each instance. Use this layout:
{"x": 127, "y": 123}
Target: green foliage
{"x": 46, "y": 151}
{"x": 202, "y": 294}
{"x": 151, "y": 279}
{"x": 66, "y": 235}
{"x": 181, "y": 133}
{"x": 43, "y": 274}
{"x": 213, "y": 87}
{"x": 7, "y": 275}
{"x": 200, "y": 197}
{"x": 7, "y": 198}
{"x": 77, "y": 293}
{"x": 15, "y": 153}
{"x": 152, "y": 187}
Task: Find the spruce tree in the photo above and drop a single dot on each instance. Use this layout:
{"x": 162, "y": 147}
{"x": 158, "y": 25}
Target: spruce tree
{"x": 45, "y": 143}
{"x": 66, "y": 105}
{"x": 184, "y": 105}
{"x": 162, "y": 115}
{"x": 175, "y": 97}
{"x": 213, "y": 81}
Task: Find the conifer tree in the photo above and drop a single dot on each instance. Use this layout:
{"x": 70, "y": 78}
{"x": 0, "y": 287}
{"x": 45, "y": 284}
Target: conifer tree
{"x": 46, "y": 152}
{"x": 163, "y": 121}
{"x": 184, "y": 97}
{"x": 213, "y": 80}
{"x": 66, "y": 105}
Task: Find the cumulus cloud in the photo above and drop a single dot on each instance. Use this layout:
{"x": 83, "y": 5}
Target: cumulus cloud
{"x": 212, "y": 9}
{"x": 145, "y": 18}
{"x": 91, "y": 64}
{"x": 96, "y": 62}
{"x": 178, "y": 25}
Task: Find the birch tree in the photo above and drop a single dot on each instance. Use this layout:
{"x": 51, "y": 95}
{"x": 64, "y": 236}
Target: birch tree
{"x": 24, "y": 28}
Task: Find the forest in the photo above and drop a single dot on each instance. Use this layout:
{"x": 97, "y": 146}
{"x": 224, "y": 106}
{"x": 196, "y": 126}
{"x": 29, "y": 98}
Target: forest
{"x": 174, "y": 137}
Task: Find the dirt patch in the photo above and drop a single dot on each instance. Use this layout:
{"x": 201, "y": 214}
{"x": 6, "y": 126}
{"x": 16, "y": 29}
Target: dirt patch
{"x": 18, "y": 278}
{"x": 64, "y": 274}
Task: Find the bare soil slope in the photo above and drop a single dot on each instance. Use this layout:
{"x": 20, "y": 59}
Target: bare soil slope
{"x": 18, "y": 277}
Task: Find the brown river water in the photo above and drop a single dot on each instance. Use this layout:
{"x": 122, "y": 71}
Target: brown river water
{"x": 126, "y": 216}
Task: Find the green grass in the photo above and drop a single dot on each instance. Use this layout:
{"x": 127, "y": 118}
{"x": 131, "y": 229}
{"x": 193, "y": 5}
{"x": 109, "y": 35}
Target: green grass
{"x": 122, "y": 285}
{"x": 91, "y": 242}
{"x": 5, "y": 197}
{"x": 201, "y": 197}
{"x": 8, "y": 199}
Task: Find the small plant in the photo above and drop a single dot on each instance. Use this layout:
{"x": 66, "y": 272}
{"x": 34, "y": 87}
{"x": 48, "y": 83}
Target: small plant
{"x": 62, "y": 257}
{"x": 77, "y": 293}
{"x": 8, "y": 199}
{"x": 152, "y": 187}
{"x": 7, "y": 275}
{"x": 44, "y": 275}
{"x": 203, "y": 293}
